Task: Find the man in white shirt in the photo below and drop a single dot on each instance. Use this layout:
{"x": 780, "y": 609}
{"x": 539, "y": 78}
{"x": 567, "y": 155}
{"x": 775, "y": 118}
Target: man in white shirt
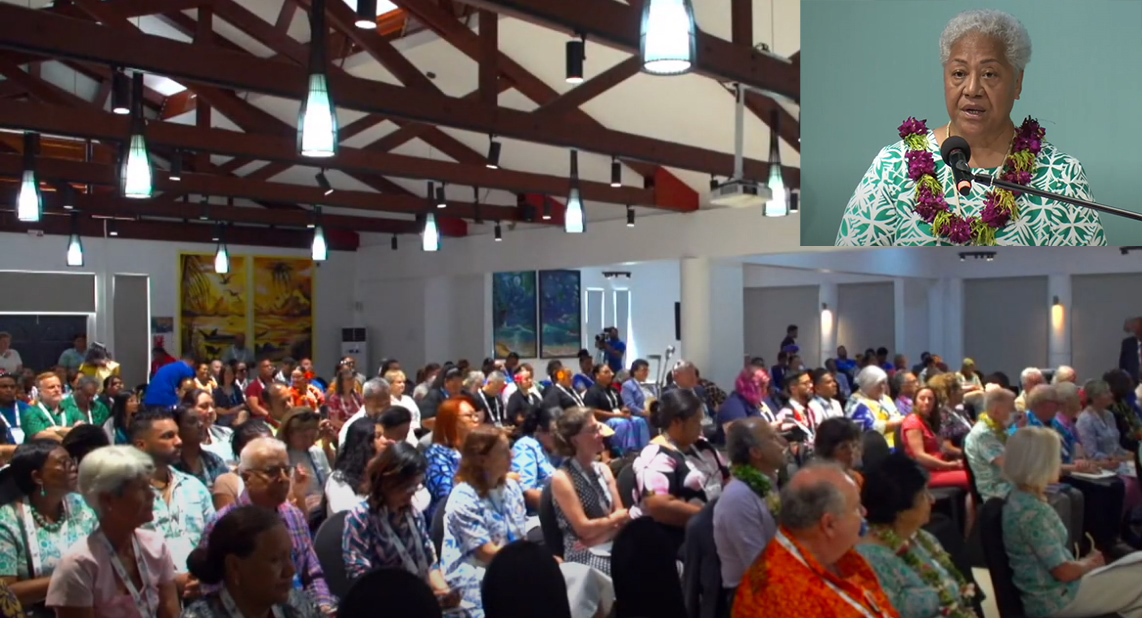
{"x": 10, "y": 360}
{"x": 799, "y": 411}
{"x": 825, "y": 396}
{"x": 377, "y": 398}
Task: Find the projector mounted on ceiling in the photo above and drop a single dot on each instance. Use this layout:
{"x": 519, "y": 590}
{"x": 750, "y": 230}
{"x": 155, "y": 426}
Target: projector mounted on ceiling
{"x": 735, "y": 193}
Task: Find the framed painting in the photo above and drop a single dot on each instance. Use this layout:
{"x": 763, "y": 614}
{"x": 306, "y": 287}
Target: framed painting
{"x": 514, "y": 314}
{"x": 211, "y": 307}
{"x": 283, "y": 307}
{"x": 560, "y": 314}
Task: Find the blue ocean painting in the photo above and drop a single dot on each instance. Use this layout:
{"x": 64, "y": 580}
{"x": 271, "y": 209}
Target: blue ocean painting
{"x": 560, "y": 315}
{"x": 513, "y": 314}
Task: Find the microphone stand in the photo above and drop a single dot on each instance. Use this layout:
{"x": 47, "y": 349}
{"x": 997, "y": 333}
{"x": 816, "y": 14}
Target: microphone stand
{"x": 1011, "y": 186}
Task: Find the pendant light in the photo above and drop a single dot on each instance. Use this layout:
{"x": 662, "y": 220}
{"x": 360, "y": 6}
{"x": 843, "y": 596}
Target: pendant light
{"x": 137, "y": 175}
{"x": 477, "y": 211}
{"x": 112, "y": 227}
{"x": 499, "y": 233}
{"x": 616, "y": 173}
{"x": 667, "y": 37}
{"x": 394, "y": 242}
{"x": 68, "y": 194}
{"x": 74, "y": 244}
{"x": 120, "y": 92}
{"x": 222, "y": 254}
{"x": 778, "y": 204}
{"x": 176, "y": 166}
{"x": 441, "y": 200}
{"x": 795, "y": 201}
{"x": 576, "y": 53}
{"x": 430, "y": 239}
{"x": 630, "y": 216}
{"x": 493, "y": 153}
{"x": 319, "y": 251}
{"x": 573, "y": 219}
{"x": 317, "y": 120}
{"x": 30, "y": 202}
{"x": 366, "y": 14}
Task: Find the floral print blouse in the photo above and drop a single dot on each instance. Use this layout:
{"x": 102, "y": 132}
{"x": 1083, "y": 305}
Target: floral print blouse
{"x": 365, "y": 546}
{"x": 442, "y": 465}
{"x": 1036, "y": 542}
{"x": 470, "y": 521}
{"x": 910, "y": 595}
{"x": 51, "y": 539}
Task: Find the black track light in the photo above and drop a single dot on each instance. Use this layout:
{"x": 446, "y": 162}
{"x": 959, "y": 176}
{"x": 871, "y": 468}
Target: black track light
{"x": 205, "y": 214}
{"x": 575, "y": 57}
{"x": 394, "y": 243}
{"x": 216, "y": 233}
{"x": 323, "y": 182}
{"x": 546, "y": 209}
{"x": 68, "y": 197}
{"x": 499, "y": 233}
{"x": 493, "y": 153}
{"x": 441, "y": 201}
{"x": 120, "y": 92}
{"x": 477, "y": 212}
{"x": 366, "y": 14}
{"x": 616, "y": 173}
{"x": 112, "y": 228}
{"x": 176, "y": 166}
{"x": 630, "y": 216}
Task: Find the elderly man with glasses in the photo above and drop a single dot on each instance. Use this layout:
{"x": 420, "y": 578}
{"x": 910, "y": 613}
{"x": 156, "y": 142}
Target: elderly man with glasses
{"x": 265, "y": 472}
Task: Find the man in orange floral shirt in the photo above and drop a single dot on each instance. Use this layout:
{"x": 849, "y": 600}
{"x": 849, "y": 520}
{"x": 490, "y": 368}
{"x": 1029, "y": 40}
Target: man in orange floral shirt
{"x": 810, "y": 568}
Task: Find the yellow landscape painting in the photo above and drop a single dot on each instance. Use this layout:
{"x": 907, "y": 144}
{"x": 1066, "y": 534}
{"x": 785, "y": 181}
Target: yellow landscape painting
{"x": 212, "y": 307}
{"x": 283, "y": 307}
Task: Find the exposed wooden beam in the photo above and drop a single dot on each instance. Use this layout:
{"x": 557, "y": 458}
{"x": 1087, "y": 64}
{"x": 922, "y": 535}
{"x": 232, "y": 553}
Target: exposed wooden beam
{"x": 233, "y": 186}
{"x": 179, "y": 104}
{"x": 572, "y": 99}
{"x": 38, "y": 88}
{"x": 40, "y": 32}
{"x": 741, "y": 22}
{"x": 285, "y": 16}
{"x": 489, "y": 56}
{"x": 616, "y": 24}
{"x": 139, "y": 8}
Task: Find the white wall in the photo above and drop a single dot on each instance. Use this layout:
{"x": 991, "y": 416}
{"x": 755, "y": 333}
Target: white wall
{"x": 1100, "y": 304}
{"x": 106, "y": 257}
{"x": 769, "y": 310}
{"x": 1007, "y": 324}
{"x": 866, "y": 316}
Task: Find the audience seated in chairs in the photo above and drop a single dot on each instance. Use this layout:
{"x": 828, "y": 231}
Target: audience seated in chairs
{"x": 922, "y": 443}
{"x": 523, "y": 581}
{"x": 387, "y": 530}
{"x": 587, "y": 506}
{"x": 123, "y": 409}
{"x": 1098, "y": 434}
{"x": 194, "y": 459}
{"x": 46, "y": 519}
{"x": 83, "y": 439}
{"x": 645, "y": 573}
{"x": 299, "y": 431}
{"x": 870, "y": 406}
{"x": 1052, "y": 581}
{"x": 531, "y": 454}
{"x": 810, "y": 568}
{"x": 345, "y": 488}
{"x": 839, "y": 441}
{"x": 522, "y": 395}
{"x": 399, "y": 592}
{"x": 631, "y": 431}
{"x": 265, "y": 471}
{"x": 215, "y": 438}
{"x": 229, "y": 486}
{"x": 913, "y": 568}
{"x": 954, "y": 424}
{"x": 116, "y": 483}
{"x": 248, "y": 555}
{"x": 455, "y": 419}
{"x": 745, "y": 515}
{"x": 750, "y": 397}
{"x": 679, "y": 471}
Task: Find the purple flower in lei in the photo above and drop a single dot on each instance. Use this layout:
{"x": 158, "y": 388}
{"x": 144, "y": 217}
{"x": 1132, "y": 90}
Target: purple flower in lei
{"x": 920, "y": 162}
{"x": 928, "y": 204}
{"x": 958, "y": 230}
{"x": 912, "y": 126}
{"x": 992, "y": 214}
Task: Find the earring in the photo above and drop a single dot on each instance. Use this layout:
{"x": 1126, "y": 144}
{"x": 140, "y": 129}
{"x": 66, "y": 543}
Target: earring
{"x": 43, "y": 490}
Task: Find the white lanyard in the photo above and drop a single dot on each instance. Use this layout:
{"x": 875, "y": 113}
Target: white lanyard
{"x": 51, "y": 419}
{"x": 15, "y": 415}
{"x": 32, "y": 542}
{"x": 146, "y": 602}
{"x": 612, "y": 398}
{"x": 496, "y": 414}
{"x": 792, "y": 549}
{"x": 417, "y": 566}
{"x": 90, "y": 405}
{"x": 500, "y": 506}
{"x": 573, "y": 395}
{"x": 605, "y": 494}
{"x": 232, "y": 608}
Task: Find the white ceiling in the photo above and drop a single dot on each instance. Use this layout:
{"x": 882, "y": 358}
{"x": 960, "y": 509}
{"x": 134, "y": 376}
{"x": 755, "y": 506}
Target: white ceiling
{"x": 689, "y": 109}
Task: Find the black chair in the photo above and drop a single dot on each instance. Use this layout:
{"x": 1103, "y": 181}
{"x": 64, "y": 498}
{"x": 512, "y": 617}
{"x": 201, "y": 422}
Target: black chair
{"x": 549, "y": 523}
{"x": 874, "y": 448}
{"x": 974, "y": 539}
{"x": 399, "y": 592}
{"x": 625, "y": 484}
{"x": 1007, "y": 598}
{"x": 437, "y": 529}
{"x": 702, "y": 571}
{"x": 898, "y": 438}
{"x": 327, "y": 545}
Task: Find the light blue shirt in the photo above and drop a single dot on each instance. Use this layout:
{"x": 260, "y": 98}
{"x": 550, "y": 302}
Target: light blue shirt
{"x": 1036, "y": 542}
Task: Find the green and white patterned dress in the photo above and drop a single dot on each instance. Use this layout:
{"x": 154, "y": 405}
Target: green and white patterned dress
{"x": 52, "y": 540}
{"x": 880, "y": 212}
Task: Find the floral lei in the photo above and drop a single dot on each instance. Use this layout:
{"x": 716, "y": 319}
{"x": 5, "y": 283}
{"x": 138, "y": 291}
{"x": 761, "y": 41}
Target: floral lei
{"x": 955, "y": 600}
{"x": 999, "y": 205}
{"x": 994, "y": 427}
{"x": 761, "y": 485}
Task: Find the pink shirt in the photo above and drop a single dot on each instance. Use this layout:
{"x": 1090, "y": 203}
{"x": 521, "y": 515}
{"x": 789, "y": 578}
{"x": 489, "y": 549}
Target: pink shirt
{"x": 85, "y": 577}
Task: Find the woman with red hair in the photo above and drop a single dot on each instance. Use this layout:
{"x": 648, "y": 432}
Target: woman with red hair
{"x": 455, "y": 419}
{"x": 749, "y": 398}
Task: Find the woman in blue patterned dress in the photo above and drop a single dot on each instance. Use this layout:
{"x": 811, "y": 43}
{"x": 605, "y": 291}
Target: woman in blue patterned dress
{"x": 455, "y": 417}
{"x": 484, "y": 513}
{"x": 386, "y": 530}
{"x": 48, "y": 518}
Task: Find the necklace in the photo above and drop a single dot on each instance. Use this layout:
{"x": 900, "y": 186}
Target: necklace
{"x": 955, "y": 600}
{"x": 999, "y": 204}
{"x": 994, "y": 427}
{"x": 761, "y": 485}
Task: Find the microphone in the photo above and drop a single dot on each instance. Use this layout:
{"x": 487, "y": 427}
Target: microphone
{"x": 956, "y": 154}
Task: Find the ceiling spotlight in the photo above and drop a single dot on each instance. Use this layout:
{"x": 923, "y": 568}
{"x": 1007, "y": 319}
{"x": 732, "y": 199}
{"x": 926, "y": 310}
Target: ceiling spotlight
{"x": 441, "y": 201}
{"x": 120, "y": 92}
{"x": 630, "y": 216}
{"x": 616, "y": 173}
{"x": 176, "y": 166}
{"x": 394, "y": 242}
{"x": 323, "y": 182}
{"x": 493, "y": 153}
{"x": 499, "y": 233}
{"x": 575, "y": 56}
{"x": 112, "y": 228}
{"x": 366, "y": 14}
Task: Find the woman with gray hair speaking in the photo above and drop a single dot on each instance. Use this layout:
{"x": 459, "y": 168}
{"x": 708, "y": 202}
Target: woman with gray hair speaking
{"x": 120, "y": 569}
{"x": 909, "y": 197}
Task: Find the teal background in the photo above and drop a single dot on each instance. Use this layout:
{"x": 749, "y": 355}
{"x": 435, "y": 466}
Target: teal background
{"x": 868, "y": 65}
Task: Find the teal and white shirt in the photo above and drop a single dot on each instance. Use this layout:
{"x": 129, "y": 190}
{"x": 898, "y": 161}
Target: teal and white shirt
{"x": 880, "y": 212}
{"x": 183, "y": 520}
{"x": 52, "y": 539}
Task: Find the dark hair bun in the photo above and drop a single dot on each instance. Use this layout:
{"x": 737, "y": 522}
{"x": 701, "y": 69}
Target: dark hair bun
{"x": 655, "y": 412}
{"x": 202, "y": 568}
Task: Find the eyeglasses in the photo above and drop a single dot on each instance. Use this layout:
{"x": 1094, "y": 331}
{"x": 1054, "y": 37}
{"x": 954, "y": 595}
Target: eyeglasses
{"x": 274, "y": 472}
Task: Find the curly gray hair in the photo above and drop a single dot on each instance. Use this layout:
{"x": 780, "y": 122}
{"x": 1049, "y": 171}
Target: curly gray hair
{"x": 1003, "y": 26}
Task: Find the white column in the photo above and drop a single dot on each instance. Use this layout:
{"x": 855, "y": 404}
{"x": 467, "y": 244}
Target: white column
{"x": 913, "y": 316}
{"x": 438, "y": 319}
{"x": 946, "y": 319}
{"x": 1059, "y": 326}
{"x": 827, "y": 296}
{"x": 899, "y": 311}
{"x": 713, "y": 316}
